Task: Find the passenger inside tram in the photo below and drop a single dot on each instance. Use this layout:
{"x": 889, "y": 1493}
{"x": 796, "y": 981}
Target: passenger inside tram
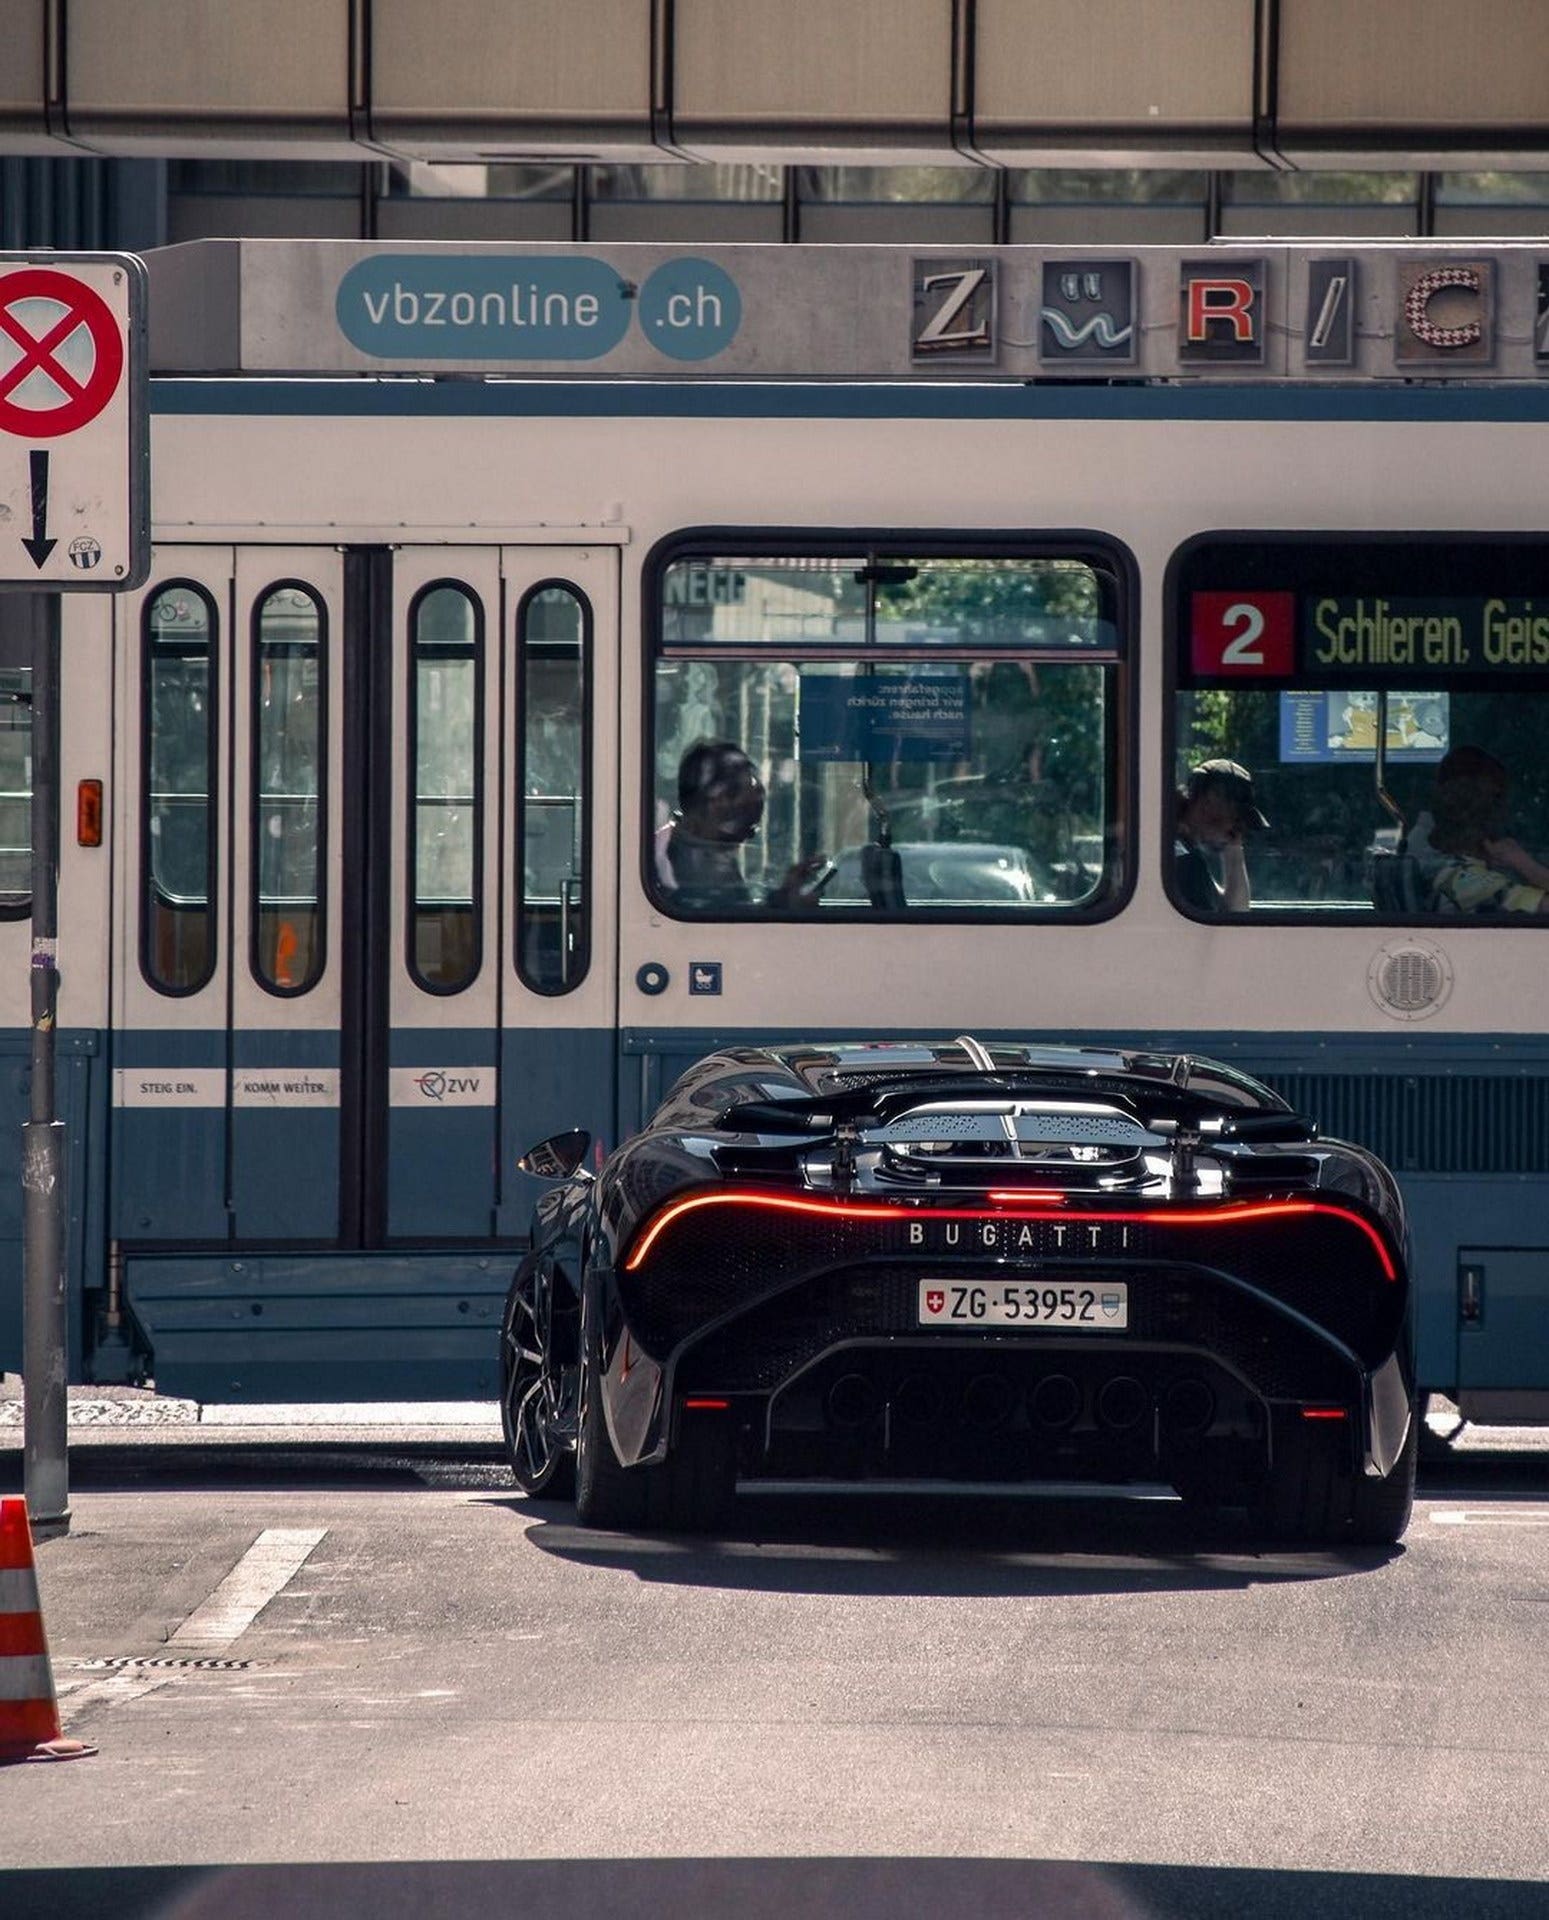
{"x": 1460, "y": 845}
{"x": 699, "y": 851}
{"x": 1216, "y": 811}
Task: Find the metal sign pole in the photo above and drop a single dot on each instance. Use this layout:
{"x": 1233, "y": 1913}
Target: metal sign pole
{"x": 45, "y": 1326}
{"x": 74, "y": 517}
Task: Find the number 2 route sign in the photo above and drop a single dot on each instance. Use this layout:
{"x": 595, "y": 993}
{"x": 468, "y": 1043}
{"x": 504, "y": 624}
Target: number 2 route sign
{"x": 74, "y": 458}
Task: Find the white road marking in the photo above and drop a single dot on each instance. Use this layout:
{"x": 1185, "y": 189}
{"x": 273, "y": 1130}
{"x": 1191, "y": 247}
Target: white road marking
{"x": 263, "y": 1571}
{"x": 273, "y": 1559}
{"x": 1463, "y": 1516}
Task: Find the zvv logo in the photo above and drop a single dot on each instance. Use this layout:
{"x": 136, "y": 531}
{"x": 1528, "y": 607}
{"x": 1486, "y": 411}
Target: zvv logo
{"x": 439, "y": 1086}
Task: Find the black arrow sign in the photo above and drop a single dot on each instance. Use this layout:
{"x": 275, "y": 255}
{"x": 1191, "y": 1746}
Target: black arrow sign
{"x": 37, "y": 546}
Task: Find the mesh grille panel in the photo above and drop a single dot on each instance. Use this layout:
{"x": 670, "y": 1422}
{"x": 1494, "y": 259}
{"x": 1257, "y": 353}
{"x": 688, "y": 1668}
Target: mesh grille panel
{"x": 1460, "y": 1123}
{"x": 1170, "y": 1308}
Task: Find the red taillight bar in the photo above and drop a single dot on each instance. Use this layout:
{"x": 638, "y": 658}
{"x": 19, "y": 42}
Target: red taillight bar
{"x": 1030, "y": 1205}
{"x": 706, "y": 1406}
{"x": 1324, "y": 1413}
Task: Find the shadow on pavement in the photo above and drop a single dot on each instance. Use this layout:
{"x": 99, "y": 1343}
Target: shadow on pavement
{"x": 751, "y": 1889}
{"x": 956, "y": 1547}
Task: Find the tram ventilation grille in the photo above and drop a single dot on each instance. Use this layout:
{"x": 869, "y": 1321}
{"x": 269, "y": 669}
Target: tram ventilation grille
{"x": 1458, "y": 1123}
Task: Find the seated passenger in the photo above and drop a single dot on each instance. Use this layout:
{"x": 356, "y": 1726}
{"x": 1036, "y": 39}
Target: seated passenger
{"x": 1475, "y": 866}
{"x": 699, "y": 851}
{"x": 1215, "y": 813}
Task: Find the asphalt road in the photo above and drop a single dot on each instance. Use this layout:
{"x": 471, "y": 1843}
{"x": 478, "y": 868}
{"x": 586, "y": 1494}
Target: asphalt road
{"x": 379, "y": 1656}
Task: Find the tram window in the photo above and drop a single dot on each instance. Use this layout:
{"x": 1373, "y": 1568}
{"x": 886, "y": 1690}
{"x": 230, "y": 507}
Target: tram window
{"x": 15, "y": 792}
{"x": 289, "y": 679}
{"x": 843, "y": 734}
{"x": 553, "y": 928}
{"x": 1298, "y": 657}
{"x": 178, "y": 762}
{"x": 446, "y": 697}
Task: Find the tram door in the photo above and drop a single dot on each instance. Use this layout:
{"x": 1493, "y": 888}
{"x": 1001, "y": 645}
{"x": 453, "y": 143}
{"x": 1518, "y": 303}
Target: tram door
{"x": 502, "y": 975}
{"x": 227, "y": 999}
{"x": 363, "y": 958}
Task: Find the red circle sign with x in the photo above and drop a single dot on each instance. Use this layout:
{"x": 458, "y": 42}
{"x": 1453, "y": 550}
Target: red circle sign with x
{"x": 60, "y": 400}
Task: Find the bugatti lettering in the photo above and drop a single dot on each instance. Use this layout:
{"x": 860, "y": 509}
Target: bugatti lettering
{"x": 1023, "y": 1304}
{"x": 1019, "y": 1236}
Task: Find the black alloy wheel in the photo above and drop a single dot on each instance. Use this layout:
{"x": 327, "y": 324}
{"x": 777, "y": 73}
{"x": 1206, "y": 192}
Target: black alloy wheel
{"x": 538, "y": 1381}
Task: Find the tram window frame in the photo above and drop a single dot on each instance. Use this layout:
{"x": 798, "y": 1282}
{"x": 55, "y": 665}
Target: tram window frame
{"x": 211, "y": 648}
{"x": 17, "y": 905}
{"x": 586, "y": 668}
{"x": 319, "y": 953}
{"x": 1309, "y": 560}
{"x": 1111, "y": 562}
{"x": 412, "y": 903}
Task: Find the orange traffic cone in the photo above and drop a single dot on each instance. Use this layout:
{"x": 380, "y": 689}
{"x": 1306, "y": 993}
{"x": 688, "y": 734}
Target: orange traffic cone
{"x": 29, "y": 1710}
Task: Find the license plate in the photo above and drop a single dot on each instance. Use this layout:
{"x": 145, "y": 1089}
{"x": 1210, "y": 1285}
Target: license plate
{"x": 1083, "y": 1306}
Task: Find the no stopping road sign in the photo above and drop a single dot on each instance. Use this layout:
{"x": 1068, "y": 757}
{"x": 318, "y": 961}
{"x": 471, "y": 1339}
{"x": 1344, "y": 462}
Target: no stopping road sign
{"x": 74, "y": 492}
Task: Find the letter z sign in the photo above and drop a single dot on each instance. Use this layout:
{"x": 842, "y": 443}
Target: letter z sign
{"x": 74, "y": 468}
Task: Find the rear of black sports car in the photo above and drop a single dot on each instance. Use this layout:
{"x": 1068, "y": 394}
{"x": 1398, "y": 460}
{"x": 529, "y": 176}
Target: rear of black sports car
{"x": 1089, "y": 1270}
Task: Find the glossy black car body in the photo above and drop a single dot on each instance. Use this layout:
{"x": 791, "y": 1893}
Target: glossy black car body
{"x": 947, "y": 1262}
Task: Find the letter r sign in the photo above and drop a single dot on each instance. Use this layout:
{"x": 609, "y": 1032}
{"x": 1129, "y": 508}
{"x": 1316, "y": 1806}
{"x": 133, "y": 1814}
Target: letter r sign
{"x": 1221, "y": 311}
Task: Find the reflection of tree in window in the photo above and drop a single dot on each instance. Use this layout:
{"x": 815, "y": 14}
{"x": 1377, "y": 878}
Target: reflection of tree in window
{"x": 15, "y": 788}
{"x": 1016, "y": 762}
{"x": 288, "y": 753}
{"x": 445, "y": 760}
{"x": 177, "y": 926}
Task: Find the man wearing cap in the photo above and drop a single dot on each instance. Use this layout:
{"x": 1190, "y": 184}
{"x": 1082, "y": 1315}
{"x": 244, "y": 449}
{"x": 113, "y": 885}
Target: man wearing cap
{"x": 1216, "y": 810}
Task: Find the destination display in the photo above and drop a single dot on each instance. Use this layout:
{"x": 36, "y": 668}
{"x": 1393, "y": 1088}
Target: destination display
{"x": 1384, "y": 640}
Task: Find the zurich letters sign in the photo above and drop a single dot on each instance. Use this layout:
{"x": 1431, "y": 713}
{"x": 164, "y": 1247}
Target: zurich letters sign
{"x": 637, "y": 310}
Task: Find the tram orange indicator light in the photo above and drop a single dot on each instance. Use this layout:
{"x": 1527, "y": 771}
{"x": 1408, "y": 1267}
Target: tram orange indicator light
{"x": 88, "y": 813}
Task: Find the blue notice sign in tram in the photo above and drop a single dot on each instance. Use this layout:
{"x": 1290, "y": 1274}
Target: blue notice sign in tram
{"x": 885, "y": 717}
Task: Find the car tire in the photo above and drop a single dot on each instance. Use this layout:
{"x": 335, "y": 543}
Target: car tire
{"x": 607, "y": 1494}
{"x": 688, "y": 1492}
{"x": 1380, "y": 1509}
{"x": 538, "y": 1381}
{"x": 1314, "y": 1495}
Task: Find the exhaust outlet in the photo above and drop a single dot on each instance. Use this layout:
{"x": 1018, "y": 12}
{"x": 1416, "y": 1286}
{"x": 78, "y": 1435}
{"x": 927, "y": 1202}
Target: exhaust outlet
{"x": 851, "y": 1401}
{"x": 1055, "y": 1402}
{"x": 918, "y": 1401}
{"x": 989, "y": 1400}
{"x": 1122, "y": 1403}
{"x": 1188, "y": 1407}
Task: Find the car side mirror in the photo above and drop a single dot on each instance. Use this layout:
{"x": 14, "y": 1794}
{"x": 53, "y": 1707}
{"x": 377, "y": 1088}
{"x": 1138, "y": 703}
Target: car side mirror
{"x": 559, "y": 1157}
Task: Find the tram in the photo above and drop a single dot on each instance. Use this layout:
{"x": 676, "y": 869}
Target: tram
{"x": 971, "y": 561}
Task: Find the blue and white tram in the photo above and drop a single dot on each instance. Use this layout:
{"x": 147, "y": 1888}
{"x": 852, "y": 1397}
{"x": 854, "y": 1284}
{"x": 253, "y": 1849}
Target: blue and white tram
{"x": 392, "y": 741}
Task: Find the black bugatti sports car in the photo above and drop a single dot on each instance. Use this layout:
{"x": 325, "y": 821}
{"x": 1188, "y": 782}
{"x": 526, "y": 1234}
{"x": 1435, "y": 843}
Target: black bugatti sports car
{"x": 960, "y": 1263}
